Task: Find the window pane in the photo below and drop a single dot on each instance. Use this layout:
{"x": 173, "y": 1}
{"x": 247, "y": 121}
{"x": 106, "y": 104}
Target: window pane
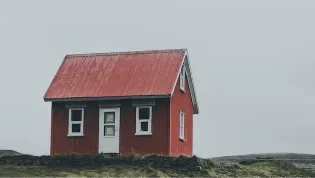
{"x": 109, "y": 130}
{"x": 76, "y": 128}
{"x": 144, "y": 113}
{"x": 181, "y": 119}
{"x": 181, "y": 132}
{"x": 109, "y": 118}
{"x": 182, "y": 71}
{"x": 182, "y": 83}
{"x": 144, "y": 126}
{"x": 76, "y": 115}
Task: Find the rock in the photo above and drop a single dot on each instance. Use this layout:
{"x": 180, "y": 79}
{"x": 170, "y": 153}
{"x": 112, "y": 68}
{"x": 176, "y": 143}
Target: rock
{"x": 28, "y": 162}
{"x": 37, "y": 163}
{"x": 198, "y": 168}
{"x": 2, "y": 162}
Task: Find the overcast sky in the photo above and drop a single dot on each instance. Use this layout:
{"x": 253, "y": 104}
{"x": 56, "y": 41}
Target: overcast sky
{"x": 252, "y": 62}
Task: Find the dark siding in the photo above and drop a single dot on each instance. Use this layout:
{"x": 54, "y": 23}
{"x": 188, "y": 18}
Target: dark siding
{"x": 157, "y": 143}
{"x": 181, "y": 101}
{"x": 62, "y": 144}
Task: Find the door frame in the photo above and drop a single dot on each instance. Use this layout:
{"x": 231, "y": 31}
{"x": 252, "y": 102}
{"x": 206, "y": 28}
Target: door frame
{"x": 117, "y": 111}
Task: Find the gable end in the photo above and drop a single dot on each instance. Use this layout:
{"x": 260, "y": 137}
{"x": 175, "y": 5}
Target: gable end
{"x": 193, "y": 96}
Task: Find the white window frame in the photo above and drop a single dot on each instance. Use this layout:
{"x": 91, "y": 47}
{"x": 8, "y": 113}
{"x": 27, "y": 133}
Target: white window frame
{"x": 182, "y": 78}
{"x": 138, "y": 121}
{"x": 182, "y": 125}
{"x": 70, "y": 133}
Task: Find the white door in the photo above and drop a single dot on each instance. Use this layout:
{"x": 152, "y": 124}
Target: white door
{"x": 109, "y": 123}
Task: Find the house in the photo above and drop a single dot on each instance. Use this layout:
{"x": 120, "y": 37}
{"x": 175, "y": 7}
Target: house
{"x": 139, "y": 102}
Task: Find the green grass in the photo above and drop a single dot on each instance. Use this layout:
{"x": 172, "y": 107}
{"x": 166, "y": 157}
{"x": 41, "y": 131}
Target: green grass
{"x": 281, "y": 156}
{"x": 303, "y": 161}
{"x": 104, "y": 171}
{"x": 212, "y": 169}
{"x": 272, "y": 169}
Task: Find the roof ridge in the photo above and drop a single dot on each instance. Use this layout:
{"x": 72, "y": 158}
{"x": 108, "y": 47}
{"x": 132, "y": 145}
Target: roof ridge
{"x": 128, "y": 52}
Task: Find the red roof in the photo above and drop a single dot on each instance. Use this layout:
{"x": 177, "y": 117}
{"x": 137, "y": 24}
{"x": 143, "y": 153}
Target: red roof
{"x": 141, "y": 73}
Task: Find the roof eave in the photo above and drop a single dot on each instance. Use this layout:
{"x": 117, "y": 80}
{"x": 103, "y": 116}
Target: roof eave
{"x": 196, "y": 110}
{"x": 105, "y": 98}
{"x": 192, "y": 86}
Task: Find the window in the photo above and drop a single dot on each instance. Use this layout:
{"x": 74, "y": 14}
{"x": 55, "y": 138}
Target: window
{"x": 109, "y": 124}
{"x": 182, "y": 78}
{"x": 143, "y": 120}
{"x": 181, "y": 125}
{"x": 76, "y": 116}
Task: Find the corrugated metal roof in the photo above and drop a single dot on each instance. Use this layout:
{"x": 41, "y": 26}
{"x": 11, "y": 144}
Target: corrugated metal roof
{"x": 119, "y": 74}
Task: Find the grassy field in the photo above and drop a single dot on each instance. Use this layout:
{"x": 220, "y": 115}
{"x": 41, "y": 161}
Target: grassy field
{"x": 304, "y": 161}
{"x": 261, "y": 169}
{"x": 278, "y": 156}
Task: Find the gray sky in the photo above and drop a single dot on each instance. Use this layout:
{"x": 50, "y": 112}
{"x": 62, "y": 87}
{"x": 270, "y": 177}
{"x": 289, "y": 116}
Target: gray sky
{"x": 252, "y": 62}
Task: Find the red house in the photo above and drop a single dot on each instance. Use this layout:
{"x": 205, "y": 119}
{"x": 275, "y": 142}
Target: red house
{"x": 139, "y": 102}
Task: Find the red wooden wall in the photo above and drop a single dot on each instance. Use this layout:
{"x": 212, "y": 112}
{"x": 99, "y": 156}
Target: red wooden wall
{"x": 157, "y": 143}
{"x": 61, "y": 143}
{"x": 181, "y": 101}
